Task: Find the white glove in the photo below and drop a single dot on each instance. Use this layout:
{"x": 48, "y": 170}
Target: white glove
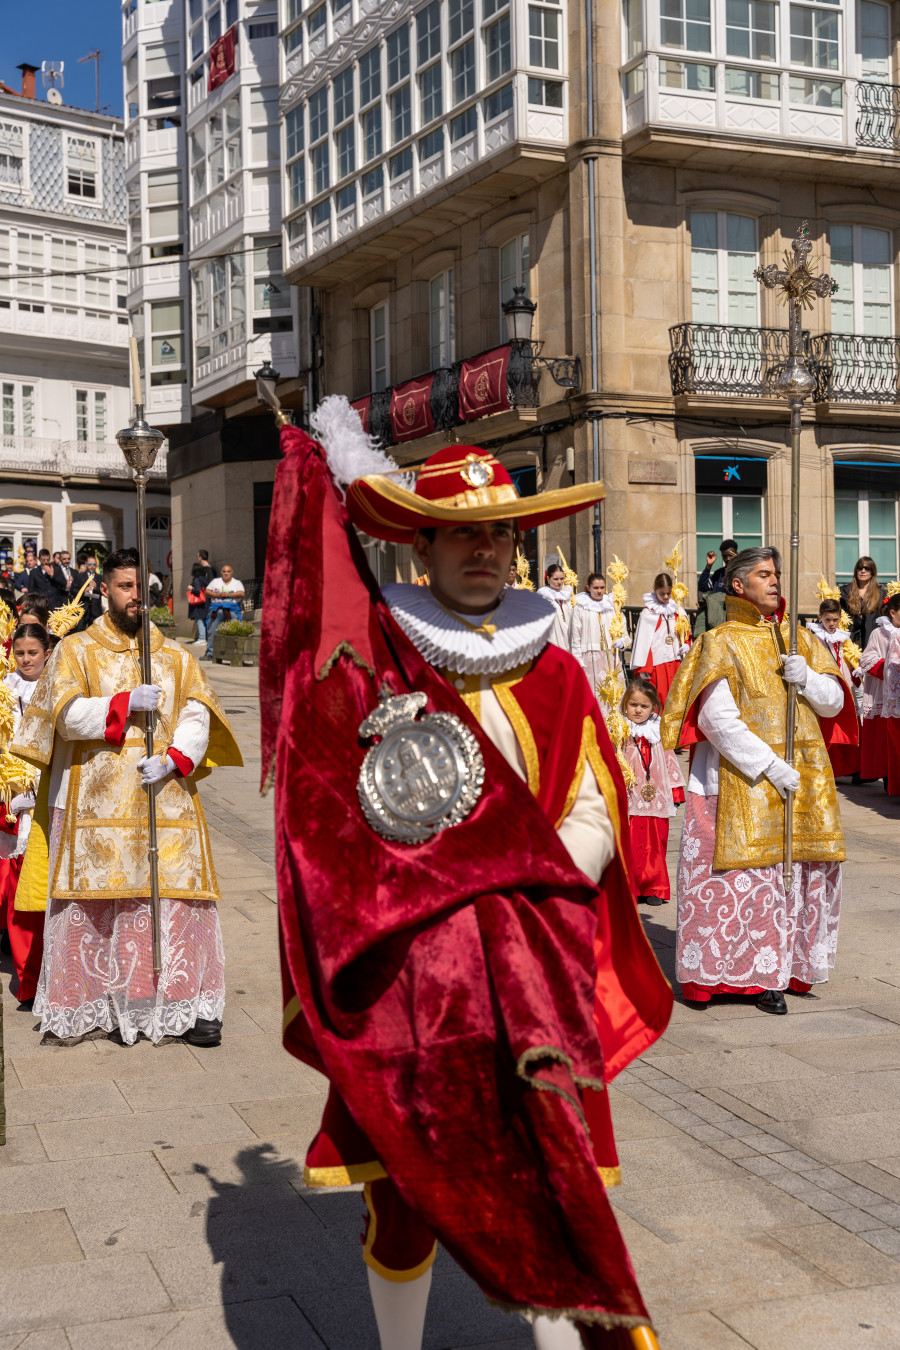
{"x": 155, "y": 770}
{"x": 683, "y": 651}
{"x": 24, "y": 802}
{"x": 144, "y": 698}
{"x": 780, "y": 774}
{"x": 795, "y": 670}
{"x": 619, "y": 644}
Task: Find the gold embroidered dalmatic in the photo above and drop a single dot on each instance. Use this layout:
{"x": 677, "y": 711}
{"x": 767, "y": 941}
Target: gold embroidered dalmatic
{"x": 103, "y": 851}
{"x": 750, "y": 817}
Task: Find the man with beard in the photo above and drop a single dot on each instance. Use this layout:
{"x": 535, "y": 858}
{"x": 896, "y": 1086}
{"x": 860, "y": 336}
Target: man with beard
{"x": 88, "y": 858}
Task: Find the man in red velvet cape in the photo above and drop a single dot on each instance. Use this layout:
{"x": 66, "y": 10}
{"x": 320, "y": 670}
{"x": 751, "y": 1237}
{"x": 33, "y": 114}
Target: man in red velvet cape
{"x": 469, "y": 996}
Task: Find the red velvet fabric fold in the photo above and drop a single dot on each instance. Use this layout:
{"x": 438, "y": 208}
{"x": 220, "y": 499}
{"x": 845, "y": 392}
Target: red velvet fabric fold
{"x": 438, "y": 985}
{"x": 117, "y": 718}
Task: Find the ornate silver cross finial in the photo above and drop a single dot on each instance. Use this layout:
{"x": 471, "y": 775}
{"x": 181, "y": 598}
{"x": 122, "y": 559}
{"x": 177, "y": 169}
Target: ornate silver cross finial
{"x": 798, "y": 287}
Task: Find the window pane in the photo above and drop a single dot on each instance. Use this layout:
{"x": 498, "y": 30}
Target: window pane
{"x": 846, "y": 517}
{"x": 318, "y": 114}
{"x": 430, "y": 94}
{"x": 369, "y": 76}
{"x": 751, "y": 84}
{"x": 398, "y": 56}
{"x": 461, "y": 14}
{"x": 746, "y": 521}
{"x": 882, "y": 515}
{"x": 818, "y": 93}
{"x": 401, "y": 114}
{"x": 463, "y": 67}
{"x": 884, "y": 551}
{"x": 687, "y": 75}
{"x": 703, "y": 229}
{"x": 343, "y": 96}
{"x": 709, "y": 527}
{"x": 497, "y": 48}
{"x": 428, "y": 32}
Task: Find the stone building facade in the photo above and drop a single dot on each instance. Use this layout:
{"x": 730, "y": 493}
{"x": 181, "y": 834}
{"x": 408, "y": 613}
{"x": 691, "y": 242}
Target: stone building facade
{"x": 629, "y": 166}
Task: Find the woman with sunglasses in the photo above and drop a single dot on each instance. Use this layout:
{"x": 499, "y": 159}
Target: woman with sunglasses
{"x": 863, "y": 598}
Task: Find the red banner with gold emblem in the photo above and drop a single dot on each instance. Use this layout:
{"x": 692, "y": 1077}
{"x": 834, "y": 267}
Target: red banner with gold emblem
{"x": 411, "y": 409}
{"x": 362, "y": 406}
{"x": 482, "y": 385}
{"x": 221, "y": 59}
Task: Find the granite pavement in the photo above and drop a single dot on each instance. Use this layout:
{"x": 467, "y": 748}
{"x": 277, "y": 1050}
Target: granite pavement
{"x": 154, "y": 1197}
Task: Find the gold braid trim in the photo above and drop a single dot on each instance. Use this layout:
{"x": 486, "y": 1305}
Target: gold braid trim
{"x": 605, "y": 784}
{"x": 344, "y": 649}
{"x": 524, "y": 735}
{"x": 578, "y": 776}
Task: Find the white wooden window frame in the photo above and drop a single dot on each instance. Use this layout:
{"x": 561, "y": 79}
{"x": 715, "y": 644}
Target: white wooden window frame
{"x": 72, "y": 139}
{"x": 383, "y": 307}
{"x": 864, "y": 533}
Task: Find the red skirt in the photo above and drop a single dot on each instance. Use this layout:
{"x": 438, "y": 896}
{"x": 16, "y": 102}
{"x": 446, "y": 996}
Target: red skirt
{"x": 873, "y": 747}
{"x": 649, "y": 840}
{"x": 893, "y": 756}
{"x": 662, "y": 678}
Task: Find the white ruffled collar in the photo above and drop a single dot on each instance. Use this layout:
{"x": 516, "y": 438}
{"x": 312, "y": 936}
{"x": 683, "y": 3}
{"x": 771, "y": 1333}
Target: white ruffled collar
{"x": 565, "y": 593}
{"x": 646, "y": 731}
{"x": 884, "y": 621}
{"x": 822, "y": 632}
{"x": 604, "y": 606}
{"x": 650, "y": 602}
{"x": 523, "y": 620}
{"x": 23, "y": 689}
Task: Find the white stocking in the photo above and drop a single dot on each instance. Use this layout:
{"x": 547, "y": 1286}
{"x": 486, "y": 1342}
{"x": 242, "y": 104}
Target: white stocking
{"x": 400, "y": 1309}
{"x": 556, "y": 1333}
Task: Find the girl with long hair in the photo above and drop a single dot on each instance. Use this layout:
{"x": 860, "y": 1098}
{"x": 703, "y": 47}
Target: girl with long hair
{"x": 658, "y": 649}
{"x": 658, "y": 789}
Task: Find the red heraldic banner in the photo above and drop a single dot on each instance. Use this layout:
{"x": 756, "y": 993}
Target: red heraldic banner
{"x": 482, "y": 385}
{"x": 362, "y": 406}
{"x": 411, "y": 409}
{"x": 438, "y": 985}
{"x": 221, "y": 59}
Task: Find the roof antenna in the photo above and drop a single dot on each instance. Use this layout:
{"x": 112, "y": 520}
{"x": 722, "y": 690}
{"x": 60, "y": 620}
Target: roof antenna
{"x": 94, "y": 56}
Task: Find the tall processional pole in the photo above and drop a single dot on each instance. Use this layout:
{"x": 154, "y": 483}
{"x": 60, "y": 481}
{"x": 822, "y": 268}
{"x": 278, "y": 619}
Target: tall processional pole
{"x": 140, "y": 444}
{"x": 794, "y": 382}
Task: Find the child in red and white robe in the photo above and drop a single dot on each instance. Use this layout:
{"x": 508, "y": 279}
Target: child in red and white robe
{"x": 658, "y": 649}
{"x": 873, "y": 740}
{"x": 657, "y": 791}
{"x": 844, "y": 758}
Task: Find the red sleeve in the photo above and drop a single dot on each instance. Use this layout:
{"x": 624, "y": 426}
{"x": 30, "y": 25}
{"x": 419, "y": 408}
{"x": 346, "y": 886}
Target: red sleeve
{"x": 183, "y": 766}
{"x": 878, "y": 670}
{"x": 678, "y": 795}
{"x": 117, "y": 718}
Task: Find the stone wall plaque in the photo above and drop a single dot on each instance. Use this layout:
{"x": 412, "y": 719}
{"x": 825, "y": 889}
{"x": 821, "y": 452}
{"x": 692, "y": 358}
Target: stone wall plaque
{"x": 653, "y": 471}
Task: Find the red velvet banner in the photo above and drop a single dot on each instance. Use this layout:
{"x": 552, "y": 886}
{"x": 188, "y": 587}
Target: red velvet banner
{"x": 411, "y": 409}
{"x": 362, "y": 406}
{"x": 482, "y": 385}
{"x": 221, "y": 59}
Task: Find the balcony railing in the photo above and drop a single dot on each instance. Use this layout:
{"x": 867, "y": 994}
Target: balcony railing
{"x": 709, "y": 358}
{"x": 71, "y": 459}
{"x": 878, "y": 116}
{"x": 518, "y": 387}
{"x": 713, "y": 358}
{"x": 851, "y": 368}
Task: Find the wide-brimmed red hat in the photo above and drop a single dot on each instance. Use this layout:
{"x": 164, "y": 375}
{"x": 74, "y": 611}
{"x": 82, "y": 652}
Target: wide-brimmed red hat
{"x": 461, "y": 482}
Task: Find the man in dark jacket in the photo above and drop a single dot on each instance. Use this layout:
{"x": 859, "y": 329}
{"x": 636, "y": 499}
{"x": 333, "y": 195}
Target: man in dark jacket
{"x": 711, "y": 589}
{"x": 48, "y": 579}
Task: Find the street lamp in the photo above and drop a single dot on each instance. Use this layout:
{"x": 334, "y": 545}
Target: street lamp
{"x": 267, "y": 378}
{"x": 518, "y": 311}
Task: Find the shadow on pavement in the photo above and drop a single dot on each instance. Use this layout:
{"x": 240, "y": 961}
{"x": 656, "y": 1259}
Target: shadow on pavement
{"x": 293, "y": 1275}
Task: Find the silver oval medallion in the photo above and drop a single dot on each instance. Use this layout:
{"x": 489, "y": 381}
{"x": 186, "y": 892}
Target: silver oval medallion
{"x": 424, "y": 775}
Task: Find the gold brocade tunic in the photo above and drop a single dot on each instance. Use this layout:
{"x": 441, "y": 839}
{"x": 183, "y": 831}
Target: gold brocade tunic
{"x": 750, "y": 818}
{"x": 103, "y": 850}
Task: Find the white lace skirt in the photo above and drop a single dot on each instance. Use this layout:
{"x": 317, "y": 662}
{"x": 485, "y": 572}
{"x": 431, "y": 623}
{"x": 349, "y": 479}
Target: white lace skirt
{"x": 97, "y": 972}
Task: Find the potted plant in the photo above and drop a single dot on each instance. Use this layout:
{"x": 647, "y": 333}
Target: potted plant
{"x": 237, "y": 643}
{"x": 164, "y": 619}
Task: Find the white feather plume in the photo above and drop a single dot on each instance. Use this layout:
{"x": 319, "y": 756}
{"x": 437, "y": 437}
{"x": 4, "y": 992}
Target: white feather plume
{"x": 350, "y": 451}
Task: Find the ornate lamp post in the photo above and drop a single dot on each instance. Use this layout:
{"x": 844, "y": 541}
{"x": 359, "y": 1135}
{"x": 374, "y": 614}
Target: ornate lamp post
{"x": 140, "y": 444}
{"x": 798, "y": 287}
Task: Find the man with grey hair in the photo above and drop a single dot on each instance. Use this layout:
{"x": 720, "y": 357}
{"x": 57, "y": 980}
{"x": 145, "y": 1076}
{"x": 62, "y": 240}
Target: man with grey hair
{"x": 742, "y": 929}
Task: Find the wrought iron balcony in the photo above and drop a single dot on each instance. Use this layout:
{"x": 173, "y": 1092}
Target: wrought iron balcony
{"x": 713, "y": 358}
{"x": 709, "y": 358}
{"x": 852, "y": 368}
{"x": 506, "y": 378}
{"x": 878, "y": 115}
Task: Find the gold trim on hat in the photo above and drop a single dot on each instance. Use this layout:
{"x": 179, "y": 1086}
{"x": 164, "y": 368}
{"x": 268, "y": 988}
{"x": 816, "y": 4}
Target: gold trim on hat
{"x": 483, "y": 496}
{"x": 451, "y": 465}
{"x": 582, "y": 494}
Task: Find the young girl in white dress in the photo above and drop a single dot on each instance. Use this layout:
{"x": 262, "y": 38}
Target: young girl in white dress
{"x": 589, "y": 637}
{"x": 559, "y": 595}
{"x": 657, "y": 647}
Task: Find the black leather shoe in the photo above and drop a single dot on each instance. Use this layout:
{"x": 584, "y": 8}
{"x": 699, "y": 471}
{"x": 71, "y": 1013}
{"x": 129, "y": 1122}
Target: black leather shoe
{"x": 206, "y": 1033}
{"x": 772, "y": 1001}
{"x": 654, "y": 900}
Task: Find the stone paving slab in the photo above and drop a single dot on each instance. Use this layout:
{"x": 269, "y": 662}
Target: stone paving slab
{"x": 154, "y": 1196}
